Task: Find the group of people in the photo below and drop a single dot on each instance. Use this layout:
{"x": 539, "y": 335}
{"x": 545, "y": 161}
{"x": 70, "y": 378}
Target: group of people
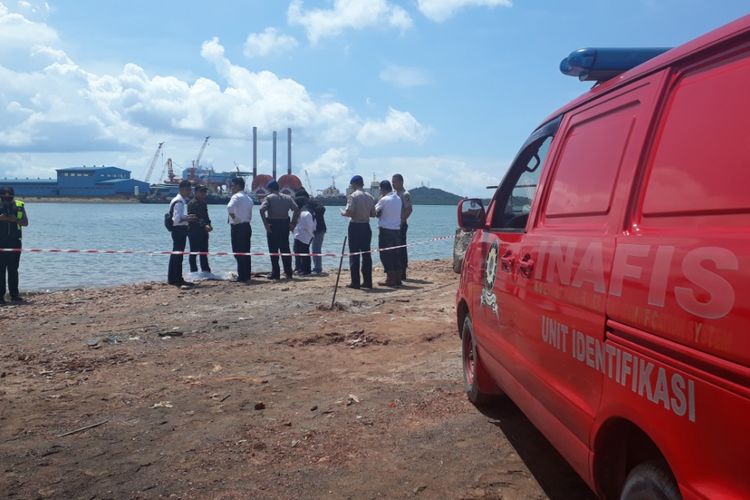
{"x": 392, "y": 210}
{"x": 304, "y": 218}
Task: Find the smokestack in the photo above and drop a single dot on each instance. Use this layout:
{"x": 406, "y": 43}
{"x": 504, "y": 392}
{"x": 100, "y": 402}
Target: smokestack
{"x": 274, "y": 155}
{"x": 255, "y": 151}
{"x": 289, "y": 151}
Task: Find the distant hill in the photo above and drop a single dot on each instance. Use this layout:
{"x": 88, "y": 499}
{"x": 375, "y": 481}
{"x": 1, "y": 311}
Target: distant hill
{"x": 432, "y": 196}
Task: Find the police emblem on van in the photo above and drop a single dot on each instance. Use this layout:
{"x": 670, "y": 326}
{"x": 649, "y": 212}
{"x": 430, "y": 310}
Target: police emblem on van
{"x": 488, "y": 297}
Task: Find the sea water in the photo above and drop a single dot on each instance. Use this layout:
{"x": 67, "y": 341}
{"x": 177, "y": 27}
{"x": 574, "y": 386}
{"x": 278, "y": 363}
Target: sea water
{"x": 134, "y": 226}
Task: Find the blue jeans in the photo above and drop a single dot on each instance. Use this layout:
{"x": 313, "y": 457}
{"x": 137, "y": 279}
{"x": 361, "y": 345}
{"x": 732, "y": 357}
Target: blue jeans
{"x": 317, "y": 247}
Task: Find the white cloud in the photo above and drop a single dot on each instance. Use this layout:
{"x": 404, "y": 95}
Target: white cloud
{"x": 62, "y": 107}
{"x": 17, "y": 31}
{"x": 347, "y": 14}
{"x": 333, "y": 161}
{"x": 268, "y": 43}
{"x": 36, "y": 8}
{"x": 397, "y": 126}
{"x": 404, "y": 77}
{"x": 49, "y": 104}
{"x": 441, "y": 10}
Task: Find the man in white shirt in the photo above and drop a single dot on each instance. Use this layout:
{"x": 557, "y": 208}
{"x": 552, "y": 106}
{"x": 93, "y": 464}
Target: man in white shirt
{"x": 240, "y": 209}
{"x": 406, "y": 210}
{"x": 180, "y": 221}
{"x": 388, "y": 211}
{"x": 304, "y": 232}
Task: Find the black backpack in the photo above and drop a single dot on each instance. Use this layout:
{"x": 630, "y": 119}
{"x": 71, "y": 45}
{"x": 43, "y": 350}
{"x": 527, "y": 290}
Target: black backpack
{"x": 168, "y": 222}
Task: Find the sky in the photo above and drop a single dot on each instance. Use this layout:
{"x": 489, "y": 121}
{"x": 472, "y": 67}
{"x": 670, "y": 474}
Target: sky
{"x": 441, "y": 91}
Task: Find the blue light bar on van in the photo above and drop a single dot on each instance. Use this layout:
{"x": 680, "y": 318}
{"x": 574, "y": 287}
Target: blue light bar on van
{"x": 602, "y": 64}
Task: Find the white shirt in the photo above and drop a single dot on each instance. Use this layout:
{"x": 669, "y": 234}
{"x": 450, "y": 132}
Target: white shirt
{"x": 179, "y": 210}
{"x": 388, "y": 209}
{"x": 304, "y": 231}
{"x": 241, "y": 205}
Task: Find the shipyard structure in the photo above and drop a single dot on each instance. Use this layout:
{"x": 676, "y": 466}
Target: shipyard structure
{"x": 83, "y": 182}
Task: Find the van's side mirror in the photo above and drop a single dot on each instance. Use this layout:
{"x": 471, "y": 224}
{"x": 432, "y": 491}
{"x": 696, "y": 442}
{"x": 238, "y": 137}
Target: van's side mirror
{"x": 470, "y": 214}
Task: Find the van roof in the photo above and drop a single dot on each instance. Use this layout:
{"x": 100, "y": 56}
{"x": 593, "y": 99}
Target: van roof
{"x": 735, "y": 28}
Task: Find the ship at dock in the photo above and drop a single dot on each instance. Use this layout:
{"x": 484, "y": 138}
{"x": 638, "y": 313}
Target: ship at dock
{"x": 331, "y": 196}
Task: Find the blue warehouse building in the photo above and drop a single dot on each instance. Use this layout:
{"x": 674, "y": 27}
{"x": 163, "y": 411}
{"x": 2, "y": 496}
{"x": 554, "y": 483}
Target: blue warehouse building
{"x": 81, "y": 182}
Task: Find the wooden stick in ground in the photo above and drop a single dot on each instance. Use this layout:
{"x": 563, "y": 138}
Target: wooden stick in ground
{"x": 81, "y": 429}
{"x": 338, "y": 276}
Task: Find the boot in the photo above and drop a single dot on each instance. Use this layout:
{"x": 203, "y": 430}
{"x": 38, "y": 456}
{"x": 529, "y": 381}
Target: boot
{"x": 392, "y": 279}
{"x": 397, "y": 279}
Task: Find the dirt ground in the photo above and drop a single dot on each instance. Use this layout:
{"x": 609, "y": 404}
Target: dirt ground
{"x": 256, "y": 391}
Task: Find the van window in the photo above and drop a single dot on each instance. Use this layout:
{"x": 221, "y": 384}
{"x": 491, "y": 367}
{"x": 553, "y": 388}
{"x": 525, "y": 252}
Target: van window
{"x": 585, "y": 176}
{"x": 701, "y": 159}
{"x": 515, "y": 195}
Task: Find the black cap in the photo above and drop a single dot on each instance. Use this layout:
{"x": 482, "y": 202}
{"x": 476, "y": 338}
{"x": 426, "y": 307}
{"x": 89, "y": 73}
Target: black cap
{"x": 201, "y": 188}
{"x": 7, "y": 191}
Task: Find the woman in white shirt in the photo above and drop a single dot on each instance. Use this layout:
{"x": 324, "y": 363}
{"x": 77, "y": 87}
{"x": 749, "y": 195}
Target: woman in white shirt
{"x": 304, "y": 232}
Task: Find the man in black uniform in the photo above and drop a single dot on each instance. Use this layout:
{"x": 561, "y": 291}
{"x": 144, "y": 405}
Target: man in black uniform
{"x": 275, "y": 214}
{"x": 12, "y": 218}
{"x": 198, "y": 229}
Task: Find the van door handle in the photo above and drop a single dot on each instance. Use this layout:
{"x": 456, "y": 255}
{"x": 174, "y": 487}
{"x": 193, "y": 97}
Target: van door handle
{"x": 506, "y": 261}
{"x": 526, "y": 265}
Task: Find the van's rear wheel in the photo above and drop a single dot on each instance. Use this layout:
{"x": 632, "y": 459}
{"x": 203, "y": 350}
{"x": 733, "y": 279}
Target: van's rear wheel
{"x": 650, "y": 480}
{"x": 479, "y": 387}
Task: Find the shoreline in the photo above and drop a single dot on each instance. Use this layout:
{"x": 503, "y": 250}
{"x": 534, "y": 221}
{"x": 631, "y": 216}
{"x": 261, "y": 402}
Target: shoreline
{"x": 260, "y": 275}
{"x": 32, "y": 199}
{"x": 36, "y": 199}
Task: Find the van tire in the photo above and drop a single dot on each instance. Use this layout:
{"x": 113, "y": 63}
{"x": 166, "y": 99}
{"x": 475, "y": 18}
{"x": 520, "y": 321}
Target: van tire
{"x": 479, "y": 387}
{"x": 650, "y": 480}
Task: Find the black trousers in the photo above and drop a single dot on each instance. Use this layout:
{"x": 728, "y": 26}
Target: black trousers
{"x": 278, "y": 241}
{"x": 241, "y": 234}
{"x": 198, "y": 238}
{"x": 9, "y": 262}
{"x": 403, "y": 254}
{"x": 391, "y": 259}
{"x": 305, "y": 263}
{"x": 360, "y": 239}
{"x": 179, "y": 241}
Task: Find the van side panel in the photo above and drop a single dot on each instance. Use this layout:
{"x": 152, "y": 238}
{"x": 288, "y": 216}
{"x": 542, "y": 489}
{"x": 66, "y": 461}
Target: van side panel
{"x": 679, "y": 295}
{"x": 571, "y": 247}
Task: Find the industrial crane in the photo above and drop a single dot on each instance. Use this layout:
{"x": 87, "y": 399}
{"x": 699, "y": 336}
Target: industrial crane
{"x": 153, "y": 162}
{"x": 200, "y": 153}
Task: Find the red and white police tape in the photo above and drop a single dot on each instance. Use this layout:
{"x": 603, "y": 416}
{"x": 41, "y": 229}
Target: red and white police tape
{"x": 216, "y": 254}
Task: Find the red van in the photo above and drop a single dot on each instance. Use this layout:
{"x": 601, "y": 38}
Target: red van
{"x": 606, "y": 289}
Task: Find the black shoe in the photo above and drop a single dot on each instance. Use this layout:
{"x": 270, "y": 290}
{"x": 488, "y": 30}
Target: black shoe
{"x": 403, "y": 275}
{"x": 352, "y": 285}
{"x": 2, "y": 301}
{"x": 367, "y": 285}
{"x": 16, "y": 298}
